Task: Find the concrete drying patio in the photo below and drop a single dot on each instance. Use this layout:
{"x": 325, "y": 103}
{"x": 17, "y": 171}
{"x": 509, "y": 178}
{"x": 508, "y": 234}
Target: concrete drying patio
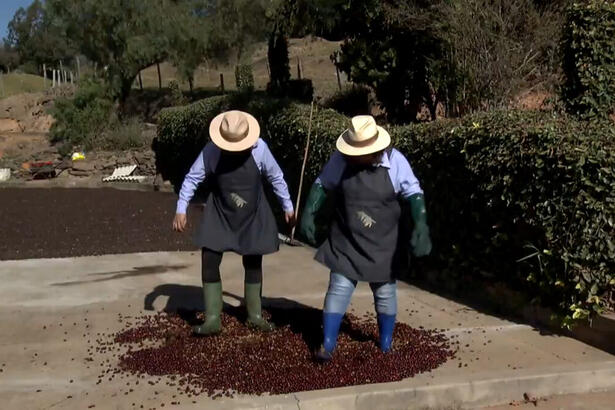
{"x": 498, "y": 360}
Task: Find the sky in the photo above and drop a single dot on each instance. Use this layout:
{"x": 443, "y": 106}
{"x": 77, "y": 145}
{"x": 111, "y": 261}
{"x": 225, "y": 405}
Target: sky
{"x": 7, "y": 11}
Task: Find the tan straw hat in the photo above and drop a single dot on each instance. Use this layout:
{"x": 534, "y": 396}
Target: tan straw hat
{"x": 234, "y": 131}
{"x": 363, "y": 137}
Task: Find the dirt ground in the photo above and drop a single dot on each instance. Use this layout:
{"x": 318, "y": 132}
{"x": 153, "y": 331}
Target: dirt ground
{"x": 38, "y": 223}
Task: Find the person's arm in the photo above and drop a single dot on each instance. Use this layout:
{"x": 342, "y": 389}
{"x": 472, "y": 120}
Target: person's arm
{"x": 274, "y": 175}
{"x": 195, "y": 176}
{"x": 328, "y": 180}
{"x": 409, "y": 189}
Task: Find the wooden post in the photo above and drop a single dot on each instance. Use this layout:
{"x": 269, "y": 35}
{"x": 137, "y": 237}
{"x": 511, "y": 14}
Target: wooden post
{"x": 60, "y": 73}
{"x": 71, "y": 78}
{"x": 53, "y": 76}
{"x": 78, "y": 68}
{"x": 140, "y": 81}
{"x": 159, "y": 76}
{"x": 337, "y": 74}
{"x": 44, "y": 76}
{"x": 299, "y": 76}
{"x": 221, "y": 82}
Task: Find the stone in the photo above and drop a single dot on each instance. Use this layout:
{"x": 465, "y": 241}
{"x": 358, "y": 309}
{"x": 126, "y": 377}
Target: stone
{"x": 79, "y": 173}
{"x": 9, "y": 125}
{"x": 83, "y": 166}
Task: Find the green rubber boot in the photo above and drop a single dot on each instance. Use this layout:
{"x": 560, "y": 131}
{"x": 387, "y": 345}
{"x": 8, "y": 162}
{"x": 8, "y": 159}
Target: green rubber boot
{"x": 213, "y": 308}
{"x": 253, "y": 306}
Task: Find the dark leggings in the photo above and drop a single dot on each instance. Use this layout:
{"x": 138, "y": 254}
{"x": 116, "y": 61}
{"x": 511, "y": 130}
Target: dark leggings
{"x": 210, "y": 270}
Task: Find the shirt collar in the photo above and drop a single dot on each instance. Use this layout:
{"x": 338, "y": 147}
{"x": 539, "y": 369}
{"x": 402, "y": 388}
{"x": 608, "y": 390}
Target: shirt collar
{"x": 384, "y": 162}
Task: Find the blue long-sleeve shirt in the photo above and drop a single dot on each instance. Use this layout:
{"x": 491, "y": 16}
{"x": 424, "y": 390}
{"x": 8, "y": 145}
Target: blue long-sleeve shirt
{"x": 207, "y": 162}
{"x": 400, "y": 172}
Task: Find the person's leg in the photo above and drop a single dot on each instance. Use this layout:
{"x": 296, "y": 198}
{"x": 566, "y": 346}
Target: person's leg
{"x": 336, "y": 302}
{"x": 385, "y": 300}
{"x": 212, "y": 293}
{"x": 253, "y": 286}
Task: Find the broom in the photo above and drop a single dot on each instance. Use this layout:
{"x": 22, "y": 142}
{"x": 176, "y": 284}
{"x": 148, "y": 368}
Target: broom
{"x": 291, "y": 241}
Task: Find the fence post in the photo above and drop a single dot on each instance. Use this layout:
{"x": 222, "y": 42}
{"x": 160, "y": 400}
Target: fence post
{"x": 159, "y": 76}
{"x": 221, "y": 82}
{"x": 299, "y": 70}
{"x": 78, "y": 68}
{"x": 337, "y": 74}
{"x": 71, "y": 78}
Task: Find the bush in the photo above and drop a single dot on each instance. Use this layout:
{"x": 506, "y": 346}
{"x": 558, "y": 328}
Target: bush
{"x": 352, "y": 100}
{"x": 589, "y": 58}
{"x": 244, "y": 79}
{"x": 81, "y": 119}
{"x": 527, "y": 198}
{"x": 122, "y": 136}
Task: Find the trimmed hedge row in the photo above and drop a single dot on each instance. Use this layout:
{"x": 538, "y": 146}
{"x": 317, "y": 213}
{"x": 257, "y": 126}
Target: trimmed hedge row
{"x": 522, "y": 197}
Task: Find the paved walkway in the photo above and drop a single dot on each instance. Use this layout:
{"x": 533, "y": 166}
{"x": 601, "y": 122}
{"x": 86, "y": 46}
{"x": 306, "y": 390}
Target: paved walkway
{"x": 74, "y": 299}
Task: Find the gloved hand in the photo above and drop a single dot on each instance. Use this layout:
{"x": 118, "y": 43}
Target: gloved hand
{"x": 420, "y": 240}
{"x": 314, "y": 203}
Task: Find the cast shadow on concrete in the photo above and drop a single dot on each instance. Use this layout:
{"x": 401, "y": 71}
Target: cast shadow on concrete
{"x": 121, "y": 274}
{"x": 305, "y": 320}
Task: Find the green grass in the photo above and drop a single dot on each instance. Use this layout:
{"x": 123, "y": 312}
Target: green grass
{"x": 11, "y": 84}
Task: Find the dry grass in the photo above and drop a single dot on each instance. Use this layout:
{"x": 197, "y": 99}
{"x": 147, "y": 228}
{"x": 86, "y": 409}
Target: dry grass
{"x": 312, "y": 51}
{"x": 14, "y": 83}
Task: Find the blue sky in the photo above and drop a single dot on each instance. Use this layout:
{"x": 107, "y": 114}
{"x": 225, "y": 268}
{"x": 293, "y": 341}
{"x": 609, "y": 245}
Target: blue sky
{"x": 7, "y": 11}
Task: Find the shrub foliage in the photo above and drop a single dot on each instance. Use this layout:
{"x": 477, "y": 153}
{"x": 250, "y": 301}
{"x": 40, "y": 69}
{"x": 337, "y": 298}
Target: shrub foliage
{"x": 589, "y": 58}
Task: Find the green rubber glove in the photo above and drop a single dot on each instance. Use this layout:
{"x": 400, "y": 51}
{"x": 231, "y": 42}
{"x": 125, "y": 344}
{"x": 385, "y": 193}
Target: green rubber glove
{"x": 314, "y": 203}
{"x": 420, "y": 240}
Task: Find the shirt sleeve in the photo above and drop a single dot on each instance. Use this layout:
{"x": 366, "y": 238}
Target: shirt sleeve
{"x": 404, "y": 181}
{"x": 272, "y": 171}
{"x": 195, "y": 176}
{"x": 332, "y": 172}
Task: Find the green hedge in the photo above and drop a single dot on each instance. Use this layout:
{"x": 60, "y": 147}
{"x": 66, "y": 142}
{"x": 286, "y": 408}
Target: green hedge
{"x": 527, "y": 197}
{"x": 522, "y": 197}
{"x": 589, "y": 58}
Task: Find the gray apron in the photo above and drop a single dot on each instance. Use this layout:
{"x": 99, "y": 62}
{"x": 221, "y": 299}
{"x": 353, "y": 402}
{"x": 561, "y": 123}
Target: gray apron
{"x": 363, "y": 240}
{"x": 237, "y": 216}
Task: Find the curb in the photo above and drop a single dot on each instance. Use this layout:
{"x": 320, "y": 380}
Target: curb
{"x": 480, "y": 390}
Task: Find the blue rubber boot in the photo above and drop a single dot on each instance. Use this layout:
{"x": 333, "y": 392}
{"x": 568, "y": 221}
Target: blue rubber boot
{"x": 331, "y": 327}
{"x": 386, "y": 324}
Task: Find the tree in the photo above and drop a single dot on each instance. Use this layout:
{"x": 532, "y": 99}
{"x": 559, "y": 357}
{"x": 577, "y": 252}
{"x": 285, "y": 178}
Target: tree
{"x": 394, "y": 48}
{"x": 126, "y": 36}
{"x": 464, "y": 54}
{"x": 9, "y": 59}
{"x": 38, "y": 38}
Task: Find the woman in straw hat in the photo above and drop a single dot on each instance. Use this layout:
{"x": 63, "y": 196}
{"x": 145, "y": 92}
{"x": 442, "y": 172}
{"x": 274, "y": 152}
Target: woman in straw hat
{"x": 367, "y": 180}
{"x": 237, "y": 216}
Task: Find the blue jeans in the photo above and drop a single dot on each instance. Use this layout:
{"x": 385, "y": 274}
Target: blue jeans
{"x": 341, "y": 288}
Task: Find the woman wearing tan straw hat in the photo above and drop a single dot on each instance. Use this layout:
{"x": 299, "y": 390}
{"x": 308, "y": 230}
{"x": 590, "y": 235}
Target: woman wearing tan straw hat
{"x": 237, "y": 215}
{"x": 367, "y": 180}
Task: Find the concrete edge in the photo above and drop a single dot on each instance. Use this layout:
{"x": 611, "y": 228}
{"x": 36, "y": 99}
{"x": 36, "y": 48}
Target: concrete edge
{"x": 480, "y": 390}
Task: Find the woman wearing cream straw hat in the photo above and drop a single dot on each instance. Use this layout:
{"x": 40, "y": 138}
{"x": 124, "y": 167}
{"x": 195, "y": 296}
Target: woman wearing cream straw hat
{"x": 367, "y": 180}
{"x": 237, "y": 216}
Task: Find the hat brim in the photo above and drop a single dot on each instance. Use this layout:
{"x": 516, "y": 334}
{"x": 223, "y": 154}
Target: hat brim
{"x": 254, "y": 131}
{"x": 381, "y": 143}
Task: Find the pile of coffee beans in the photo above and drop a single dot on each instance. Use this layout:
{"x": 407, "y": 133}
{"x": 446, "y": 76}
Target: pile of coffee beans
{"x": 249, "y": 362}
